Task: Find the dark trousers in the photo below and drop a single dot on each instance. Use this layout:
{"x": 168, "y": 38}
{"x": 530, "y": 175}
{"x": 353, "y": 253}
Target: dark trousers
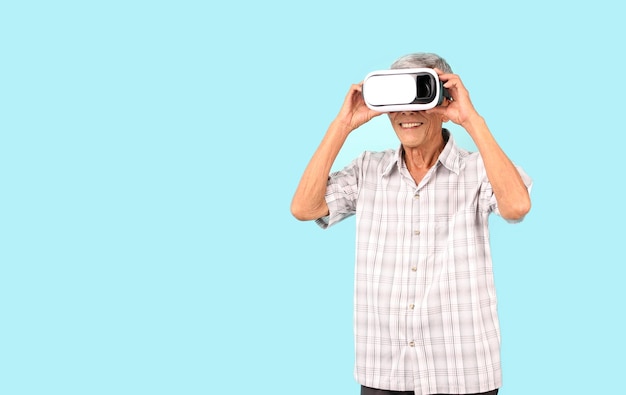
{"x": 373, "y": 391}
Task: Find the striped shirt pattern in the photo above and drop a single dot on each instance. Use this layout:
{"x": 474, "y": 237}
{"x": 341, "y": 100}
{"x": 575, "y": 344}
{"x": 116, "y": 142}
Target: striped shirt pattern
{"x": 425, "y": 308}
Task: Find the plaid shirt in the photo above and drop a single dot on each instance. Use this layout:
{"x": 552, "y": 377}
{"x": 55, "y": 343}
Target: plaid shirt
{"x": 425, "y": 309}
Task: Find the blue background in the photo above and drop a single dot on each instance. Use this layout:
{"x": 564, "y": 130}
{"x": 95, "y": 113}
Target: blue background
{"x": 149, "y": 151}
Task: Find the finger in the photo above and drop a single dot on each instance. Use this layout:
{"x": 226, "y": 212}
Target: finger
{"x": 450, "y": 80}
{"x": 450, "y": 85}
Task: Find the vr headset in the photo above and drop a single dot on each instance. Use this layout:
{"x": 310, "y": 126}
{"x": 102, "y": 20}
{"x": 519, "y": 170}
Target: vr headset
{"x": 403, "y": 90}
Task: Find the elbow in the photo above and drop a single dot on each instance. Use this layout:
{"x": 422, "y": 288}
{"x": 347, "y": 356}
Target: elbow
{"x": 516, "y": 212}
{"x": 298, "y": 214}
{"x": 302, "y": 213}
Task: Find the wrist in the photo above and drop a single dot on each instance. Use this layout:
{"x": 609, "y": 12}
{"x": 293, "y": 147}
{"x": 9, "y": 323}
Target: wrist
{"x": 340, "y": 127}
{"x": 473, "y": 123}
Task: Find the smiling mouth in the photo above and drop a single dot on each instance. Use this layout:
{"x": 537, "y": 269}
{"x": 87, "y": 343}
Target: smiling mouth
{"x": 408, "y": 125}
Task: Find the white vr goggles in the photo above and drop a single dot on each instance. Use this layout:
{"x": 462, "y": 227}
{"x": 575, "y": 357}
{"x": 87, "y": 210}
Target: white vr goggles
{"x": 403, "y": 90}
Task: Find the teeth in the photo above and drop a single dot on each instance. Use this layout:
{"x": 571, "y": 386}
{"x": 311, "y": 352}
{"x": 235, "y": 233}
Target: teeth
{"x": 411, "y": 125}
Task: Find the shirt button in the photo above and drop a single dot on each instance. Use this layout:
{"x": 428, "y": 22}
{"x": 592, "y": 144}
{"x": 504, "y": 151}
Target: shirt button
{"x": 416, "y": 232}
{"x": 412, "y": 344}
{"x": 414, "y": 268}
{"x": 416, "y": 196}
{"x": 411, "y": 306}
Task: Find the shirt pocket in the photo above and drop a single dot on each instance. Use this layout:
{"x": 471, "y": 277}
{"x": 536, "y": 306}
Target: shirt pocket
{"x": 443, "y": 225}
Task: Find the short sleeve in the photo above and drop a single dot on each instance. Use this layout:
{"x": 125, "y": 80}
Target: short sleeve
{"x": 492, "y": 203}
{"x": 342, "y": 192}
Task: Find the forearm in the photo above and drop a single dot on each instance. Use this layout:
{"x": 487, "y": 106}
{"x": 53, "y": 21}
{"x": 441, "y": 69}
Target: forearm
{"x": 509, "y": 188}
{"x": 309, "y": 199}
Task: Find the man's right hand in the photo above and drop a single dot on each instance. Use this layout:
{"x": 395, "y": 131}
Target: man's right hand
{"x": 354, "y": 112}
{"x": 309, "y": 200}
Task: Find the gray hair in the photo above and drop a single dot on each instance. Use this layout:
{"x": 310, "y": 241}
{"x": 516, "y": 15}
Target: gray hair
{"x": 422, "y": 59}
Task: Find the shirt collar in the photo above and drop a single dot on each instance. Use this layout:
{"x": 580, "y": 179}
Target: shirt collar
{"x": 450, "y": 157}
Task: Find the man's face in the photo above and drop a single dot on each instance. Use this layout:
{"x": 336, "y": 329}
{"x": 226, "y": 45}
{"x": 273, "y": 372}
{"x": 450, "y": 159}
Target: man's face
{"x": 416, "y": 128}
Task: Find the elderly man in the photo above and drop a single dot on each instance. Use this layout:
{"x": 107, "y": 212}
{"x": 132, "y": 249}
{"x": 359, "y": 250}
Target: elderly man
{"x": 425, "y": 319}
